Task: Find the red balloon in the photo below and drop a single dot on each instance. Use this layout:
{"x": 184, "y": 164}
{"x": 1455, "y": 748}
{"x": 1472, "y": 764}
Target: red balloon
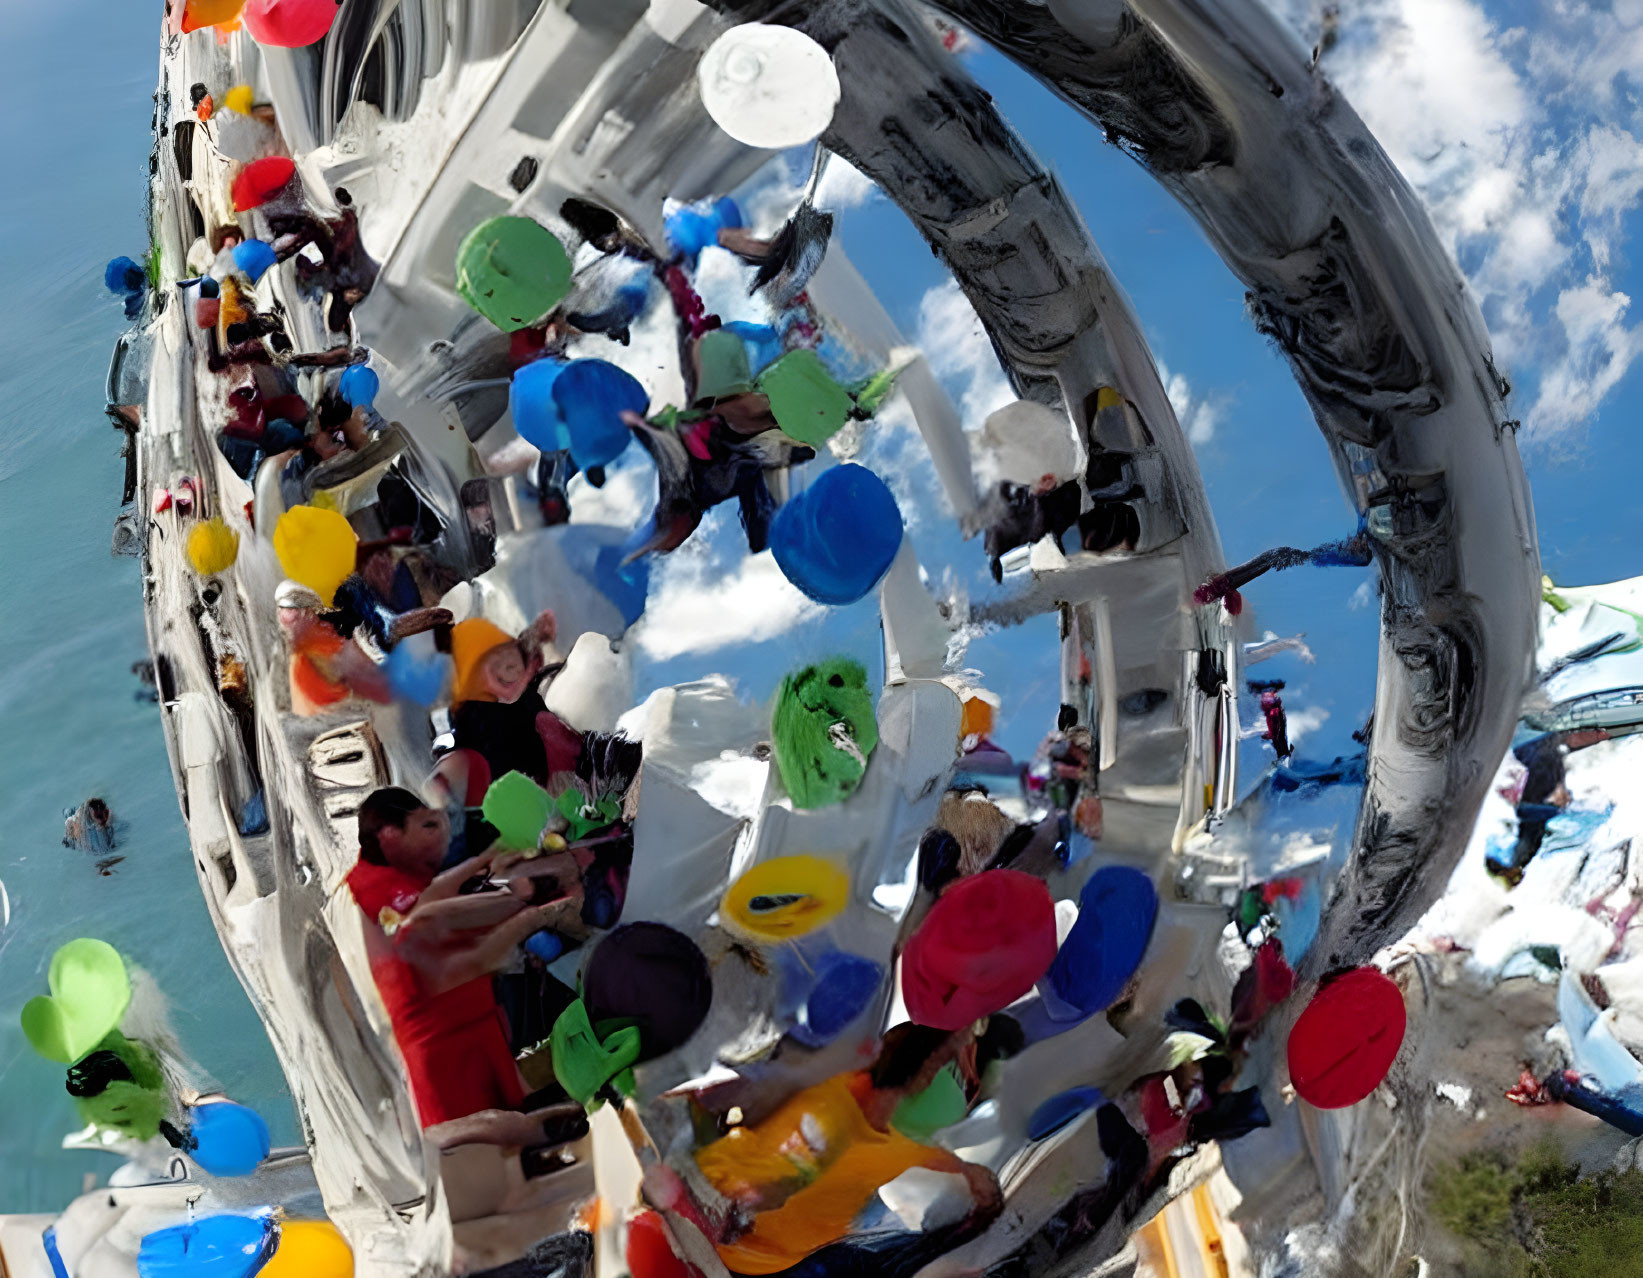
{"x": 1346, "y": 1040}
{"x": 649, "y": 1254}
{"x": 207, "y": 310}
{"x": 983, "y": 945}
{"x": 289, "y": 24}
{"x": 259, "y": 180}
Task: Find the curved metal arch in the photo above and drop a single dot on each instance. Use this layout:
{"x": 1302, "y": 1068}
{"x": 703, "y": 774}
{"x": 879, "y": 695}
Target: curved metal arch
{"x": 1348, "y": 277}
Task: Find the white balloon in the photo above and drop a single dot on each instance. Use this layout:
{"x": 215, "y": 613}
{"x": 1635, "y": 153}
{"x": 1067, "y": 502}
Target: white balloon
{"x": 768, "y": 86}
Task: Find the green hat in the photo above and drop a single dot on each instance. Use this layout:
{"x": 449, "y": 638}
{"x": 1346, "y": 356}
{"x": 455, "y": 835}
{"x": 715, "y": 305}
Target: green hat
{"x": 722, "y": 369}
{"x": 513, "y": 271}
{"x": 807, "y": 403}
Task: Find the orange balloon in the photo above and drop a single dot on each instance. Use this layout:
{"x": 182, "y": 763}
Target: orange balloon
{"x": 208, "y": 13}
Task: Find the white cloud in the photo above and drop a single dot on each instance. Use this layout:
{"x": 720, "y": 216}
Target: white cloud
{"x": 1600, "y": 348}
{"x": 844, "y": 186}
{"x": 1307, "y": 719}
{"x": 1198, "y": 414}
{"x": 627, "y": 497}
{"x": 771, "y": 198}
{"x": 1524, "y": 144}
{"x": 952, "y": 339}
{"x": 696, "y": 605}
{"x": 1362, "y": 597}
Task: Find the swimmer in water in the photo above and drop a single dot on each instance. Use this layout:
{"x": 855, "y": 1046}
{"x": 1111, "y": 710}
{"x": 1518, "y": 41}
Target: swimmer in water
{"x": 90, "y": 827}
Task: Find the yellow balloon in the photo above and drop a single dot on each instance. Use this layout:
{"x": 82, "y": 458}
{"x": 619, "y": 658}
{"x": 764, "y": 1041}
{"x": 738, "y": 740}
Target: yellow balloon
{"x": 310, "y": 1249}
{"x": 786, "y": 897}
{"x": 315, "y": 547}
{"x": 212, "y": 546}
{"x": 239, "y": 99}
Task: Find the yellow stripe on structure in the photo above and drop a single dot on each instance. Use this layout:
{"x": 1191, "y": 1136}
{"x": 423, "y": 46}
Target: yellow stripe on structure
{"x": 1209, "y": 1233}
{"x": 1156, "y": 1237}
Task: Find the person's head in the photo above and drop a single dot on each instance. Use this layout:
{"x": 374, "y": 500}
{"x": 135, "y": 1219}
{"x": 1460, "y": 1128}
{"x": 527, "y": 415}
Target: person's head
{"x": 504, "y": 671}
{"x": 295, "y": 604}
{"x": 489, "y": 664}
{"x": 397, "y": 829}
{"x": 97, "y": 810}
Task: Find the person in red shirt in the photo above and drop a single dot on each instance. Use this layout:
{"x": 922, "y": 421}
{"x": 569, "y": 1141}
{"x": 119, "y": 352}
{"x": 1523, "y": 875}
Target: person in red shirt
{"x": 433, "y": 949}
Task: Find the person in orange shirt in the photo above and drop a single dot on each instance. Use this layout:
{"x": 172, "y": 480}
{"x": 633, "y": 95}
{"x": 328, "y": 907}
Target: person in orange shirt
{"x": 325, "y": 667}
{"x": 809, "y": 1169}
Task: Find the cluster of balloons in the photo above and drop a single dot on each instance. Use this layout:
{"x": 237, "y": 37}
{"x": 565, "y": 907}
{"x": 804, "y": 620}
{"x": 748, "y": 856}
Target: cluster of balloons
{"x": 279, "y": 24}
{"x": 242, "y": 1246}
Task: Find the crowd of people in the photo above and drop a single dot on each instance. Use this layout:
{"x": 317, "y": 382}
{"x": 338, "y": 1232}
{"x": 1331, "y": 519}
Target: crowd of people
{"x": 467, "y": 904}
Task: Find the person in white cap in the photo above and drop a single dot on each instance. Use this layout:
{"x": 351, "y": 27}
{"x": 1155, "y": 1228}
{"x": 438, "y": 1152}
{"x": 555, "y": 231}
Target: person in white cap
{"x": 326, "y": 668}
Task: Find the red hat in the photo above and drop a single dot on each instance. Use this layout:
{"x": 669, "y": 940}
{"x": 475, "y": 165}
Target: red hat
{"x": 984, "y": 944}
{"x": 1345, "y": 1042}
{"x": 259, "y": 180}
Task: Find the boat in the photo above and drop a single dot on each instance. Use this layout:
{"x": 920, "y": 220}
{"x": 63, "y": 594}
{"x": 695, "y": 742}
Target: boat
{"x": 413, "y": 122}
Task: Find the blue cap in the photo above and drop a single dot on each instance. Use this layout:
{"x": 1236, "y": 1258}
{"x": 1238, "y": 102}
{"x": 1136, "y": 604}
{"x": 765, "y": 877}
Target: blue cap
{"x": 535, "y": 414}
{"x": 845, "y": 985}
{"x": 254, "y": 257}
{"x": 359, "y": 385}
{"x": 592, "y": 395}
{"x": 1116, "y": 912}
{"x": 1061, "y": 1109}
{"x": 837, "y": 538}
{"x": 122, "y": 276}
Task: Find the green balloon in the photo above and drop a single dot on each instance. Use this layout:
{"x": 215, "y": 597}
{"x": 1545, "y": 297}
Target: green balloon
{"x": 824, "y": 730}
{"x": 939, "y": 1105}
{"x": 807, "y": 403}
{"x": 519, "y": 809}
{"x": 89, "y": 994}
{"x": 133, "y": 1108}
{"x": 582, "y": 1063}
{"x": 513, "y": 271}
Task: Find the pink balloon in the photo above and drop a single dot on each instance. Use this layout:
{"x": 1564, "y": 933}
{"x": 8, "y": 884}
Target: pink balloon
{"x": 289, "y": 24}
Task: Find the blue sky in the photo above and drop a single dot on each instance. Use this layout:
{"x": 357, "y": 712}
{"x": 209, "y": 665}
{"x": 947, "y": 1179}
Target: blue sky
{"x": 1518, "y": 123}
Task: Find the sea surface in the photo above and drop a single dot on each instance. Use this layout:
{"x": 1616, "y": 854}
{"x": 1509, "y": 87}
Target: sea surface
{"x": 76, "y": 85}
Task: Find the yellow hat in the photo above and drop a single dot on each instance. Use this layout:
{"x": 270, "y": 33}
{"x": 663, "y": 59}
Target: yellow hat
{"x": 470, "y": 641}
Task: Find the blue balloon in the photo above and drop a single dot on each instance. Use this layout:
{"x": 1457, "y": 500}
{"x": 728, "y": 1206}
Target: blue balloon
{"x": 763, "y": 343}
{"x": 415, "y": 676}
{"x": 229, "y": 1139}
{"x": 123, "y": 276}
{"x": 1116, "y": 912}
{"x": 837, "y": 538}
{"x": 592, "y": 395}
{"x": 359, "y": 385}
{"x": 845, "y": 985}
{"x": 211, "y": 1247}
{"x": 546, "y": 945}
{"x": 254, "y": 258}
{"x": 693, "y": 227}
{"x": 1061, "y": 1109}
{"x": 535, "y": 414}
{"x": 208, "y": 287}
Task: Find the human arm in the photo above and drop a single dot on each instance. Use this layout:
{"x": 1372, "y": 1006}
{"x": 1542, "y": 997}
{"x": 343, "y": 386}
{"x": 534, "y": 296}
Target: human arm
{"x": 445, "y": 959}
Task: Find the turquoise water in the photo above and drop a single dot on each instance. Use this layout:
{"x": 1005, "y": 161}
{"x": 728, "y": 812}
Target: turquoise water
{"x": 76, "y": 90}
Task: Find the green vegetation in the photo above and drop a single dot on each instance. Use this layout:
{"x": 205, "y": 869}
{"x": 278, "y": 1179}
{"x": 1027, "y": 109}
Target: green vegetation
{"x": 1537, "y": 1218}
